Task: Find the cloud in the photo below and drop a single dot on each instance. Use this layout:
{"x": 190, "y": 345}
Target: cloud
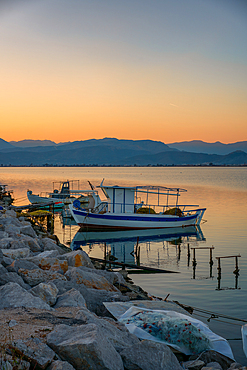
{"x": 174, "y": 105}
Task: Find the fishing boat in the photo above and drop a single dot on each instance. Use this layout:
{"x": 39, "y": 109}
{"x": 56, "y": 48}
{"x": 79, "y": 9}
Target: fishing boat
{"x": 6, "y": 196}
{"x": 139, "y": 207}
{"x": 65, "y": 195}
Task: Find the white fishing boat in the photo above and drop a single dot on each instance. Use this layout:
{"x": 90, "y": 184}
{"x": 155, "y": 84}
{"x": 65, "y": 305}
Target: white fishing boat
{"x": 125, "y": 208}
{"x": 65, "y": 195}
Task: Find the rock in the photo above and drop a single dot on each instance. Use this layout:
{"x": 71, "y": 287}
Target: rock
{"x": 12, "y": 295}
{"x": 34, "y": 277}
{"x": 13, "y": 277}
{"x": 35, "y": 351}
{"x": 235, "y": 365}
{"x": 3, "y": 270}
{"x": 7, "y": 261}
{"x": 31, "y": 243}
{"x": 28, "y": 230}
{"x": 47, "y": 254}
{"x": 213, "y": 356}
{"x": 16, "y": 253}
{"x": 148, "y": 355}
{"x": 12, "y": 323}
{"x": 112, "y": 277}
{"x": 85, "y": 347}
{"x": 3, "y": 234}
{"x": 194, "y": 364}
{"x": 212, "y": 366}
{"x": 78, "y": 258}
{"x": 1, "y": 256}
{"x": 72, "y": 298}
{"x": 5, "y": 243}
{"x": 49, "y": 245}
{"x": 13, "y": 231}
{"x": 17, "y": 244}
{"x": 21, "y": 264}
{"x": 116, "y": 333}
{"x": 46, "y": 291}
{"x": 90, "y": 279}
{"x": 60, "y": 365}
{"x": 46, "y": 263}
{"x": 10, "y": 213}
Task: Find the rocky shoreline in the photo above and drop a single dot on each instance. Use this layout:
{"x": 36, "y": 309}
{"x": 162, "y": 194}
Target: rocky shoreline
{"x": 52, "y": 314}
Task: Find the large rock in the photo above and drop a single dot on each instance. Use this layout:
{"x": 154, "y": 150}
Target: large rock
{"x": 34, "y": 277}
{"x": 47, "y": 254}
{"x": 33, "y": 350}
{"x": 28, "y": 230}
{"x": 78, "y": 258}
{"x": 3, "y": 234}
{"x": 148, "y": 355}
{"x": 72, "y": 298}
{"x": 46, "y": 291}
{"x": 116, "y": 333}
{"x": 5, "y": 243}
{"x": 50, "y": 245}
{"x": 17, "y": 244}
{"x": 3, "y": 270}
{"x": 90, "y": 279}
{"x": 60, "y": 365}
{"x": 213, "y": 356}
{"x": 46, "y": 263}
{"x": 21, "y": 264}
{"x": 112, "y": 277}
{"x": 31, "y": 243}
{"x": 13, "y": 231}
{"x": 12, "y": 295}
{"x": 16, "y": 253}
{"x": 13, "y": 277}
{"x": 85, "y": 347}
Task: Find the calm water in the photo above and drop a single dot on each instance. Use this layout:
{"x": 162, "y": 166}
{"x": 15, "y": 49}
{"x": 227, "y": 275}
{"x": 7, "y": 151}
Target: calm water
{"x": 223, "y": 191}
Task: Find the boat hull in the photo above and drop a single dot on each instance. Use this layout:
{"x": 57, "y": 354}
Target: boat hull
{"x": 125, "y": 221}
{"x": 36, "y": 199}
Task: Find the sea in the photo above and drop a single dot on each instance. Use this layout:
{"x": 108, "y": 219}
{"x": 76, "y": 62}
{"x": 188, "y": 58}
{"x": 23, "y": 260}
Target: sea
{"x": 219, "y": 300}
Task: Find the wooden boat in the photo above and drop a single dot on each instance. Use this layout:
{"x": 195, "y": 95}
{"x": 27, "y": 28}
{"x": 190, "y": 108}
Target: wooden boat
{"x": 64, "y": 196}
{"x": 124, "y": 208}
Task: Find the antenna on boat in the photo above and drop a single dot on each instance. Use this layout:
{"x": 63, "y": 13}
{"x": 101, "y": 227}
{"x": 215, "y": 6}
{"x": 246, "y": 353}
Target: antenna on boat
{"x": 102, "y": 183}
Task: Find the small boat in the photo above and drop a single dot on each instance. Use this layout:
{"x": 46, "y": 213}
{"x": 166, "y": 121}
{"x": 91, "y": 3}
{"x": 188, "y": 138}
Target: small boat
{"x": 6, "y": 196}
{"x": 125, "y": 208}
{"x": 64, "y": 196}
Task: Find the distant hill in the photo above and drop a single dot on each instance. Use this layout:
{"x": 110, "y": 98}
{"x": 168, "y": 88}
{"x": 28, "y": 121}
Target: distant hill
{"x": 197, "y": 146}
{"x": 110, "y": 151}
{"x": 5, "y": 145}
{"x": 32, "y": 143}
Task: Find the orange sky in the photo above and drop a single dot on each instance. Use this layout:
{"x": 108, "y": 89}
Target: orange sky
{"x": 93, "y": 71}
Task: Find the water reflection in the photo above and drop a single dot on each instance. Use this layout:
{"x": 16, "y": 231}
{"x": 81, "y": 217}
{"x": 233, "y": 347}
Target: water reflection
{"x": 135, "y": 246}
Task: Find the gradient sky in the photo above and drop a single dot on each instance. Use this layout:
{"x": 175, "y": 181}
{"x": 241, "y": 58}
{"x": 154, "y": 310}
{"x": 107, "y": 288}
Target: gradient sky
{"x": 168, "y": 70}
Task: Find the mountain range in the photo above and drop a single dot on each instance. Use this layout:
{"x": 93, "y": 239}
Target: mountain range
{"x": 112, "y": 151}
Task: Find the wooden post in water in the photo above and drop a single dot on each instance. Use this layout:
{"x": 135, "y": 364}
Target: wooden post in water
{"x": 188, "y": 254}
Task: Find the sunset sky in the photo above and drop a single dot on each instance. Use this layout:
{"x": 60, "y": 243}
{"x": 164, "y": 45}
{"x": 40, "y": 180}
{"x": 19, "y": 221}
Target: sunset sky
{"x": 168, "y": 70}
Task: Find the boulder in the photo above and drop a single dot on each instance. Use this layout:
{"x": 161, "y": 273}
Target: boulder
{"x": 212, "y": 366}
{"x": 5, "y": 243}
{"x": 21, "y": 264}
{"x": 47, "y": 254}
{"x": 31, "y": 243}
{"x": 90, "y": 279}
{"x": 46, "y": 291}
{"x": 116, "y": 333}
{"x": 16, "y": 253}
{"x": 3, "y": 234}
{"x": 17, "y": 244}
{"x": 28, "y": 230}
{"x": 34, "y": 351}
{"x": 60, "y": 365}
{"x": 6, "y": 261}
{"x": 50, "y": 245}
{"x": 3, "y": 270}
{"x": 46, "y": 263}
{"x": 193, "y": 365}
{"x": 12, "y": 295}
{"x": 149, "y": 355}
{"x": 13, "y": 231}
{"x": 112, "y": 277}
{"x": 34, "y": 277}
{"x": 72, "y": 298}
{"x": 10, "y": 213}
{"x": 85, "y": 347}
{"x": 213, "y": 356}
{"x": 78, "y": 258}
{"x": 13, "y": 277}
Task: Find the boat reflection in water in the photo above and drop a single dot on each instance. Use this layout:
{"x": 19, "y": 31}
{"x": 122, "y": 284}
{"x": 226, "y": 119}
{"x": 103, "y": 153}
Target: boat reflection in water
{"x": 125, "y": 246}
